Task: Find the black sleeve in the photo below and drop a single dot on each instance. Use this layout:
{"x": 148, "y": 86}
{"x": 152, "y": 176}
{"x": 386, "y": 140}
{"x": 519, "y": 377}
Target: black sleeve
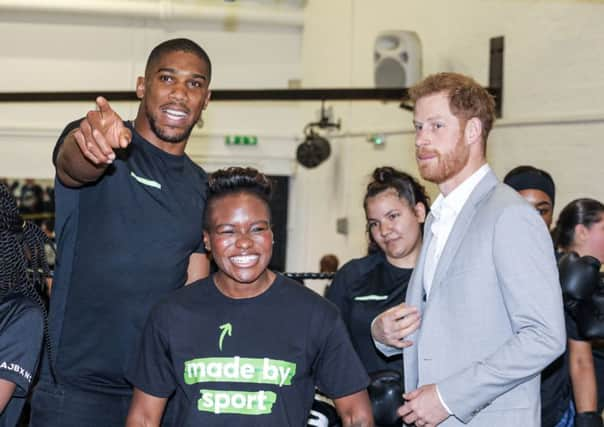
{"x": 572, "y": 331}
{"x": 20, "y": 345}
{"x": 338, "y": 293}
{"x": 151, "y": 369}
{"x": 339, "y": 371}
{"x": 71, "y": 126}
{"x": 201, "y": 248}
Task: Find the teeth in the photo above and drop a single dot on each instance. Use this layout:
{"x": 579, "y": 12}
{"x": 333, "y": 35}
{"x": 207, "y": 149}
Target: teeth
{"x": 176, "y": 113}
{"x": 244, "y": 259}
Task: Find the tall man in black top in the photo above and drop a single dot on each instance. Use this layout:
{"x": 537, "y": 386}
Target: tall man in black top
{"x": 129, "y": 209}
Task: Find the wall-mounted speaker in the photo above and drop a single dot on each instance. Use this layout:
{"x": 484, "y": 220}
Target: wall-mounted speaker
{"x": 397, "y": 59}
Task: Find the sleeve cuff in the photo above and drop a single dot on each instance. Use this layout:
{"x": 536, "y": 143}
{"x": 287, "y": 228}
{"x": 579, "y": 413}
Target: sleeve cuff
{"x": 442, "y": 402}
{"x": 385, "y": 349}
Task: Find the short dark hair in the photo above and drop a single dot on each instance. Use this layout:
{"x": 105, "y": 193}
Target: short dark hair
{"x": 527, "y": 177}
{"x": 178, "y": 45}
{"x": 237, "y": 180}
{"x": 583, "y": 211}
{"x": 329, "y": 263}
{"x": 408, "y": 188}
{"x": 467, "y": 98}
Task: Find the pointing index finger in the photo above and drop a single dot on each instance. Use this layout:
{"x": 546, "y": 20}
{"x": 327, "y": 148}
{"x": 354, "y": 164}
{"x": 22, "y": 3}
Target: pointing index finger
{"x": 103, "y": 106}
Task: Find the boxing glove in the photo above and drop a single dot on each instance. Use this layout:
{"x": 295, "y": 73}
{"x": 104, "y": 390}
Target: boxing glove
{"x": 579, "y": 278}
{"x": 588, "y": 419}
{"x": 590, "y": 316}
{"x": 323, "y": 413}
{"x": 386, "y": 396}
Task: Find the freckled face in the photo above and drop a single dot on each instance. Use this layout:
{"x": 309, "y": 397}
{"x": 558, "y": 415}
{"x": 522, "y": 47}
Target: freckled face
{"x": 440, "y": 150}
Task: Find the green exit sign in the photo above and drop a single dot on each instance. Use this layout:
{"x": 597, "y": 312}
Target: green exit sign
{"x": 240, "y": 140}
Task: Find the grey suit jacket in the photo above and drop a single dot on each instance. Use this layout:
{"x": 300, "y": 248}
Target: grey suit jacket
{"x": 494, "y": 318}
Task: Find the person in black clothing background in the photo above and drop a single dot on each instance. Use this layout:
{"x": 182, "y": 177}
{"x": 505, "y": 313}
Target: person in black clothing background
{"x": 571, "y": 376}
{"x": 395, "y": 206}
{"x": 580, "y": 229}
{"x": 23, "y": 269}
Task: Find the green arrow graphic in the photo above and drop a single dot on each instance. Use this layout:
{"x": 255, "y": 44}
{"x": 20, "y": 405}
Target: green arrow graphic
{"x": 227, "y": 328}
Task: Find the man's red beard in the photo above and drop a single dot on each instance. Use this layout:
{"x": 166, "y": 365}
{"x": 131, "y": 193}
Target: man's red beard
{"x": 443, "y": 167}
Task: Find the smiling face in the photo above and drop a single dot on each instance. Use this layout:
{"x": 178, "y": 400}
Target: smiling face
{"x": 241, "y": 242}
{"x": 173, "y": 93}
{"x": 395, "y": 227}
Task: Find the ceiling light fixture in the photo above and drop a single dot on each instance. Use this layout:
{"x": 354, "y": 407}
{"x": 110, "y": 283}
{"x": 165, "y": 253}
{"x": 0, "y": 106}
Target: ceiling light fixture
{"x": 315, "y": 149}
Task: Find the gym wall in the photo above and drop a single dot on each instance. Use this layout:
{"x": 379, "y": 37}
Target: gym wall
{"x": 553, "y": 116}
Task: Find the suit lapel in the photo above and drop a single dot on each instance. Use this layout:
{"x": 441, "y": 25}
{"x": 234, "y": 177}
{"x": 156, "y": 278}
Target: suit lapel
{"x": 460, "y": 228}
{"x": 415, "y": 291}
{"x": 414, "y": 297}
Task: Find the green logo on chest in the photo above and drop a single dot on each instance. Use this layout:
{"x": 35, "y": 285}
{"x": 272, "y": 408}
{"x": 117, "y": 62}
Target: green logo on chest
{"x": 226, "y": 329}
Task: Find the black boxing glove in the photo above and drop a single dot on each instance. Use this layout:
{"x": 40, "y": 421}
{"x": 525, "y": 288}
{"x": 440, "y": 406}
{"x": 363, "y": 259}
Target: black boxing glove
{"x": 323, "y": 413}
{"x": 579, "y": 278}
{"x": 386, "y": 396}
{"x": 588, "y": 419}
{"x": 590, "y": 316}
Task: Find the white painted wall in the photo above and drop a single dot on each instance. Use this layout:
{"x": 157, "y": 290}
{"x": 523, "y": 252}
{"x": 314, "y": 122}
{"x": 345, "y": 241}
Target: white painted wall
{"x": 553, "y": 117}
{"x": 97, "y": 45}
{"x": 553, "y": 112}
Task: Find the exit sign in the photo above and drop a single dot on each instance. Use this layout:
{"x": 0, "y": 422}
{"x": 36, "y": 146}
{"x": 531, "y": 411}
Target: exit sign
{"x": 240, "y": 140}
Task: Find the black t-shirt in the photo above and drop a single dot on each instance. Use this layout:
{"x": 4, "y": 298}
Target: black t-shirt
{"x": 598, "y": 356}
{"x": 123, "y": 242}
{"x": 21, "y": 337}
{"x": 245, "y": 362}
{"x": 362, "y": 289}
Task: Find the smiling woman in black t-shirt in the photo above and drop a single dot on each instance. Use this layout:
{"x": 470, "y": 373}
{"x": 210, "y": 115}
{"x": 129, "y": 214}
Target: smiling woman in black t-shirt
{"x": 246, "y": 346}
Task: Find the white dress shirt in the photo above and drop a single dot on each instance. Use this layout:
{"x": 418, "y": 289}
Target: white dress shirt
{"x": 445, "y": 211}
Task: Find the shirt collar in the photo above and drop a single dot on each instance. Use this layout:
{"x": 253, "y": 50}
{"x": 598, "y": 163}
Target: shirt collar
{"x": 454, "y": 201}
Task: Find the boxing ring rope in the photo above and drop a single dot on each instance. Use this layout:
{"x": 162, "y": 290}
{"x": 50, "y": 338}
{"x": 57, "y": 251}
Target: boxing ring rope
{"x": 311, "y": 276}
